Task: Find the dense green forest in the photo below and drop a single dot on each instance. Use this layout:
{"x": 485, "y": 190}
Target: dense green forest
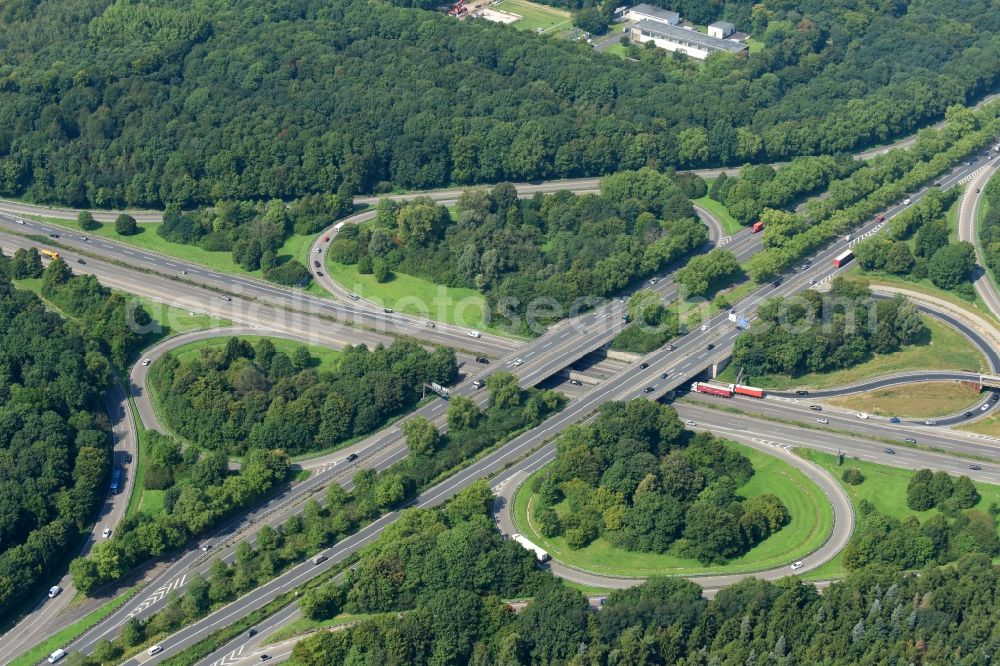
{"x": 989, "y": 229}
{"x": 243, "y": 397}
{"x": 560, "y": 247}
{"x": 640, "y": 481}
{"x": 439, "y": 579}
{"x": 55, "y": 444}
{"x": 117, "y": 103}
{"x": 815, "y": 332}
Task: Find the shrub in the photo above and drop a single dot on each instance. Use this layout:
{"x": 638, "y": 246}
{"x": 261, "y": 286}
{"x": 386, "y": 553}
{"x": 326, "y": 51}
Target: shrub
{"x": 853, "y": 476}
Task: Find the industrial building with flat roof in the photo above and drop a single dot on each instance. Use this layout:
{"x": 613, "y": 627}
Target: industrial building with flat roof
{"x": 650, "y": 13}
{"x": 690, "y": 42}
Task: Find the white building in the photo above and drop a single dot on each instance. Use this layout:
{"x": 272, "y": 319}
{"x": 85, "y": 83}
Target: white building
{"x": 646, "y": 12}
{"x": 721, "y": 29}
{"x": 689, "y": 42}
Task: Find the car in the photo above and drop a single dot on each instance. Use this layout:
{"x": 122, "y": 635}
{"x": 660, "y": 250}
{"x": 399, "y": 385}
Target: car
{"x": 54, "y": 235}
{"x": 430, "y": 324}
{"x": 20, "y": 221}
{"x": 984, "y": 407}
{"x": 670, "y": 348}
{"x": 251, "y": 633}
{"x": 626, "y": 318}
{"x": 816, "y": 408}
{"x": 205, "y": 547}
{"x": 648, "y": 389}
{"x": 653, "y": 280}
{"x": 804, "y": 266}
{"x": 575, "y": 382}
{"x": 518, "y": 362}
{"x": 812, "y": 281}
{"x": 57, "y": 655}
{"x": 664, "y": 375}
{"x": 995, "y": 397}
{"x": 975, "y": 467}
{"x": 265, "y": 657}
{"x": 643, "y": 366}
{"x": 387, "y": 310}
{"x": 704, "y": 327}
{"x": 84, "y": 238}
{"x": 319, "y": 559}
{"x": 910, "y": 440}
{"x": 977, "y": 190}
{"x": 128, "y": 458}
{"x": 354, "y": 297}
{"x": 710, "y": 347}
{"x": 930, "y": 422}
{"x": 895, "y": 419}
{"x": 483, "y": 360}
{"x": 690, "y": 422}
{"x": 351, "y": 458}
{"x": 106, "y": 533}
{"x": 54, "y": 591}
{"x": 156, "y": 649}
{"x": 326, "y": 239}
{"x": 888, "y": 451}
{"x": 146, "y": 362}
{"x": 318, "y": 250}
{"x": 477, "y": 384}
{"x": 474, "y": 334}
{"x": 907, "y": 201}
{"x": 823, "y": 421}
{"x": 182, "y": 272}
{"x": 776, "y": 283}
{"x": 797, "y": 565}
{"x": 319, "y": 273}
{"x": 967, "y": 415}
{"x": 801, "y": 392}
{"x": 225, "y": 298}
{"x": 317, "y": 264}
{"x": 862, "y": 416}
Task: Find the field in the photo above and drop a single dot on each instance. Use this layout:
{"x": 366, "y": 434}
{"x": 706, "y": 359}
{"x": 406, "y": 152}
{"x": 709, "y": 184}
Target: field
{"x": 923, "y": 400}
{"x": 324, "y": 358}
{"x": 987, "y": 426}
{"x": 294, "y": 247}
{"x": 884, "y": 487}
{"x": 416, "y": 296}
{"x": 944, "y": 349}
{"x": 729, "y": 223}
{"x": 811, "y": 522}
{"x": 535, "y": 17}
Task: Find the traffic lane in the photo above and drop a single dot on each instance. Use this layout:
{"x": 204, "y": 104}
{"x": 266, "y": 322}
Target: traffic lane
{"x": 851, "y": 444}
{"x": 245, "y": 648}
{"x": 967, "y": 220}
{"x": 257, "y": 290}
{"x": 894, "y": 434}
{"x": 912, "y": 377}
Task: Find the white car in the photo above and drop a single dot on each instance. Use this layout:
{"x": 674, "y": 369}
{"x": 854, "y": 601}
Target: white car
{"x": 690, "y": 422}
{"x": 797, "y": 565}
{"x": 354, "y": 297}
{"x": 54, "y": 591}
{"x": 930, "y": 422}
{"x": 823, "y": 421}
{"x": 318, "y": 250}
{"x": 106, "y": 533}
{"x": 156, "y": 649}
{"x": 518, "y": 362}
{"x": 984, "y": 407}
{"x": 906, "y": 201}
{"x": 146, "y": 362}
{"x": 862, "y": 416}
{"x": 704, "y": 327}
{"x": 475, "y": 334}
{"x": 57, "y": 655}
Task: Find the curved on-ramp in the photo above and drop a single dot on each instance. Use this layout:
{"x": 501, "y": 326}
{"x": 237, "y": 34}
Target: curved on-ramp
{"x": 968, "y": 215}
{"x": 836, "y": 540}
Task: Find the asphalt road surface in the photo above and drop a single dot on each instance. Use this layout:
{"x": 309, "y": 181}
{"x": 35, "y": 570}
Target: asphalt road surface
{"x": 967, "y": 231}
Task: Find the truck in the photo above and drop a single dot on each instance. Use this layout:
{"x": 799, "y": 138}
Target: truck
{"x": 116, "y": 481}
{"x": 540, "y": 554}
{"x": 757, "y": 226}
{"x": 51, "y": 254}
{"x": 751, "y": 391}
{"x": 880, "y": 217}
{"x": 843, "y": 258}
{"x": 723, "y": 391}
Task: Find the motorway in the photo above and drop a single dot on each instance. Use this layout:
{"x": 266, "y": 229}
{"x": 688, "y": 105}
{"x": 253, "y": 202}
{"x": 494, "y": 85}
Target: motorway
{"x": 631, "y": 382}
{"x": 967, "y": 219}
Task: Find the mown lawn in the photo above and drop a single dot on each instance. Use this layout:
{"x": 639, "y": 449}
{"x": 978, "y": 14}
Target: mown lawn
{"x": 811, "y": 520}
{"x": 885, "y": 488}
{"x": 729, "y": 223}
{"x": 534, "y": 16}
{"x": 419, "y": 297}
{"x": 944, "y": 349}
{"x": 324, "y": 358}
{"x": 923, "y": 400}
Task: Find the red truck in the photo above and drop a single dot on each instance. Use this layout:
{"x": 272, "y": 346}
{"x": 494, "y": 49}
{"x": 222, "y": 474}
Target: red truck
{"x": 843, "y": 258}
{"x": 748, "y": 390}
{"x": 757, "y": 226}
{"x": 712, "y": 389}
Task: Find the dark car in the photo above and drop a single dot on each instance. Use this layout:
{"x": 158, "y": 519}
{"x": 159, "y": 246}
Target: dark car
{"x": 54, "y": 235}
{"x": 664, "y": 375}
{"x": 816, "y": 408}
{"x": 802, "y": 393}
{"x": 265, "y": 657}
{"x": 648, "y": 389}
{"x": 710, "y": 347}
{"x": 80, "y": 261}
{"x": 975, "y": 467}
{"x": 995, "y": 397}
{"x": 776, "y": 283}
{"x": 967, "y": 415}
{"x": 225, "y": 298}
{"x": 889, "y": 452}
{"x": 251, "y": 633}
{"x": 575, "y": 382}
{"x": 319, "y": 273}
{"x": 483, "y": 360}
{"x": 317, "y": 264}
{"x": 387, "y": 310}
{"x": 128, "y": 458}
{"x": 643, "y": 366}
{"x": 352, "y": 457}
